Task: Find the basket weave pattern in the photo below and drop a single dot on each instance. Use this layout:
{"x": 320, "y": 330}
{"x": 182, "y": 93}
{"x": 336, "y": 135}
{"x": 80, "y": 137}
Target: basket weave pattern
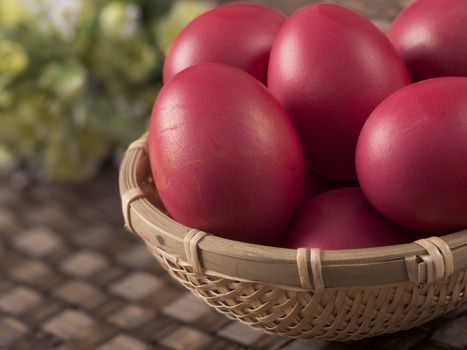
{"x": 335, "y": 314}
{"x": 303, "y": 293}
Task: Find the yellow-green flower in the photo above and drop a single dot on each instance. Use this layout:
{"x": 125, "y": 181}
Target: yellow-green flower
{"x": 66, "y": 80}
{"x": 120, "y": 20}
{"x": 134, "y": 61}
{"x": 12, "y": 13}
{"x": 74, "y": 155}
{"x": 78, "y": 78}
{"x": 182, "y": 13}
{"x": 13, "y": 59}
{"x": 7, "y": 160}
{"x": 22, "y": 126}
{"x": 6, "y": 98}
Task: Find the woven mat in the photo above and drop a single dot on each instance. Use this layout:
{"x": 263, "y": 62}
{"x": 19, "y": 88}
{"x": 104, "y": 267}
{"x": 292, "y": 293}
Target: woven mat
{"x": 71, "y": 278}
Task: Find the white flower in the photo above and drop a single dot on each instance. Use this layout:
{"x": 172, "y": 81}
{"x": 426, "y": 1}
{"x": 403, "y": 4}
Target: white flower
{"x": 62, "y": 15}
{"x": 36, "y": 7}
{"x": 120, "y": 20}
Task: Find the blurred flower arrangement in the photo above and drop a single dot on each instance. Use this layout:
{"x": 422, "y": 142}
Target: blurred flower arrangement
{"x": 77, "y": 78}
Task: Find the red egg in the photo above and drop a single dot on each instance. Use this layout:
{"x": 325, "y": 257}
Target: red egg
{"x": 225, "y": 156}
{"x": 237, "y": 34}
{"x": 343, "y": 219}
{"x": 412, "y": 156}
{"x": 431, "y": 36}
{"x": 330, "y": 67}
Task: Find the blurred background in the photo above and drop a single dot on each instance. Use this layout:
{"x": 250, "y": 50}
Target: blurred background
{"x": 78, "y": 77}
{"x": 77, "y": 82}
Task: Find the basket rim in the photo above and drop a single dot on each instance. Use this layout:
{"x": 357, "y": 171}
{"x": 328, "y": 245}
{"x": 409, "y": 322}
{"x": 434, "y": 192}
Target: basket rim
{"x": 258, "y": 263}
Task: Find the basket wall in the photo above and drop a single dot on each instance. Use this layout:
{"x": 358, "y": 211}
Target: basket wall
{"x": 360, "y": 292}
{"x": 337, "y": 314}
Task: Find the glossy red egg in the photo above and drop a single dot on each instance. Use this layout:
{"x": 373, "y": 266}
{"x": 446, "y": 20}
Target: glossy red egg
{"x": 343, "y": 219}
{"x": 225, "y": 156}
{"x": 237, "y": 34}
{"x": 412, "y": 156}
{"x": 431, "y": 36}
{"x": 330, "y": 68}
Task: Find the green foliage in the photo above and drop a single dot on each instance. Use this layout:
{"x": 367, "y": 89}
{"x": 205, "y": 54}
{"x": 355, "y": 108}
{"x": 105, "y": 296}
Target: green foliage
{"x": 78, "y": 78}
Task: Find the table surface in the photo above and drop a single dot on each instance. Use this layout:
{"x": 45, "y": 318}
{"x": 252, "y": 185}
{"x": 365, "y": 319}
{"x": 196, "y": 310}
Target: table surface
{"x": 71, "y": 278}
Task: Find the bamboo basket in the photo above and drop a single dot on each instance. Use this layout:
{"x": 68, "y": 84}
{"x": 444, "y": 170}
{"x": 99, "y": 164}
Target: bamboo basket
{"x": 304, "y": 293}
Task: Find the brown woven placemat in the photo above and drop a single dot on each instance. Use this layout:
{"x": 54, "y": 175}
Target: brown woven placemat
{"x": 71, "y": 278}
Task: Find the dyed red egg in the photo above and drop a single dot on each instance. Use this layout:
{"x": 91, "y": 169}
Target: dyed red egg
{"x": 412, "y": 156}
{"x": 237, "y": 34}
{"x": 431, "y": 36}
{"x": 224, "y": 154}
{"x": 343, "y": 219}
{"x": 330, "y": 68}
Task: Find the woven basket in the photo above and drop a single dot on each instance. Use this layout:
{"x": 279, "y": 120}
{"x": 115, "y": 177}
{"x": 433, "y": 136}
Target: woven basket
{"x": 304, "y": 293}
